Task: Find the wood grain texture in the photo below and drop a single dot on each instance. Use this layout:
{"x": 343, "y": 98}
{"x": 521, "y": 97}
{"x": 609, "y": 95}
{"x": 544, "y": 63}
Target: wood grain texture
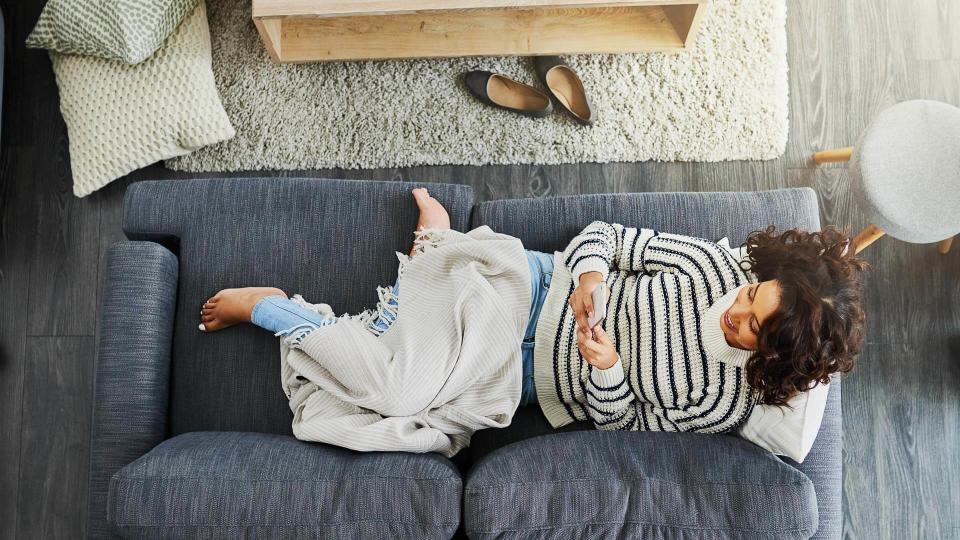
{"x": 26, "y": 124}
{"x": 339, "y": 8}
{"x": 870, "y": 234}
{"x": 65, "y": 253}
{"x": 476, "y": 32}
{"x": 848, "y": 61}
{"x": 58, "y": 385}
{"x": 685, "y": 20}
{"x": 16, "y": 229}
{"x": 271, "y": 33}
{"x": 835, "y": 155}
{"x": 944, "y": 245}
{"x": 934, "y": 39}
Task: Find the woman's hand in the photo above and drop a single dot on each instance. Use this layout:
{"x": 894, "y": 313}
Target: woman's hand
{"x": 599, "y": 351}
{"x": 581, "y": 301}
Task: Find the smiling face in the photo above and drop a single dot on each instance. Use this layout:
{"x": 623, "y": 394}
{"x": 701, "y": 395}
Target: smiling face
{"x": 754, "y": 304}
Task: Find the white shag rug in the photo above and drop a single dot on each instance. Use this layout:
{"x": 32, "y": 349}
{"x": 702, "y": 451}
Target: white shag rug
{"x": 724, "y": 100}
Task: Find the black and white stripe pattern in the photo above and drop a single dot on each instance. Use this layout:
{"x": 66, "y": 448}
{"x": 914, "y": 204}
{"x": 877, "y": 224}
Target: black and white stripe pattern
{"x": 667, "y": 293}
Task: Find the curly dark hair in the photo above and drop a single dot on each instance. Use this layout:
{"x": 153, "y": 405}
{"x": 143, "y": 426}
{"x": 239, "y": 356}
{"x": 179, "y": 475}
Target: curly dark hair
{"x": 817, "y": 329}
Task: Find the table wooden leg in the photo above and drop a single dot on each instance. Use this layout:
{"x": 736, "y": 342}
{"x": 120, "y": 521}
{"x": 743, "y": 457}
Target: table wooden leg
{"x": 944, "y": 245}
{"x": 870, "y": 234}
{"x": 830, "y": 156}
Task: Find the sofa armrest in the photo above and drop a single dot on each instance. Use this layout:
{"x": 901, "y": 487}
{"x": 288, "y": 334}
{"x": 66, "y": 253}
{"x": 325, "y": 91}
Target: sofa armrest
{"x": 134, "y": 329}
{"x": 824, "y": 466}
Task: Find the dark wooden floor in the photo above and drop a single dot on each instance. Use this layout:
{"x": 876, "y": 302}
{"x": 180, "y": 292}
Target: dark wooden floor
{"x": 848, "y": 60}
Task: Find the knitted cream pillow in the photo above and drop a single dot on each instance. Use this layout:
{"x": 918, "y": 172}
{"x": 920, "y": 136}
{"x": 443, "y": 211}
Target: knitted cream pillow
{"x": 127, "y": 30}
{"x": 121, "y": 117}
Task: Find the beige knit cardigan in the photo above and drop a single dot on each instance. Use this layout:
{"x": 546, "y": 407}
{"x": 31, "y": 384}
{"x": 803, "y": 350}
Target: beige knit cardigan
{"x": 448, "y": 366}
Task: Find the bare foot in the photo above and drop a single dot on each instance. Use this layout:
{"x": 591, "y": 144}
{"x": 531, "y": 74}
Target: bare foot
{"x": 432, "y": 214}
{"x": 231, "y": 306}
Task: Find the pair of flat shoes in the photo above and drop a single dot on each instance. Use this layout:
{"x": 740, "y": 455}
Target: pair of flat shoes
{"x": 505, "y": 93}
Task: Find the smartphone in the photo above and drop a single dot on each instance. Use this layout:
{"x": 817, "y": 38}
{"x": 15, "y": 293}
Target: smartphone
{"x": 599, "y": 305}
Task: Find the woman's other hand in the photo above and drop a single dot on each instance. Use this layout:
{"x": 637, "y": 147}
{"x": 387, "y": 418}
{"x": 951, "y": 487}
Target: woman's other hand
{"x": 598, "y": 351}
{"x": 581, "y": 301}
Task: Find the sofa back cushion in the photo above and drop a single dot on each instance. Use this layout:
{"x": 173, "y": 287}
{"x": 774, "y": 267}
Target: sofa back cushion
{"x": 329, "y": 240}
{"x": 548, "y": 224}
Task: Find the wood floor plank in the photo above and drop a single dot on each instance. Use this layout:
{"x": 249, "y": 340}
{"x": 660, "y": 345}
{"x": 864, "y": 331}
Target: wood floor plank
{"x": 64, "y": 256}
{"x": 897, "y": 471}
{"x": 30, "y": 92}
{"x": 58, "y": 385}
{"x": 16, "y": 230}
{"x": 936, "y": 436}
{"x": 815, "y": 79}
{"x": 63, "y": 277}
{"x": 934, "y": 29}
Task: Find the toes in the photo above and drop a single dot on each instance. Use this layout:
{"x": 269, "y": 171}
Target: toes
{"x": 207, "y": 318}
{"x": 210, "y": 326}
{"x": 421, "y": 195}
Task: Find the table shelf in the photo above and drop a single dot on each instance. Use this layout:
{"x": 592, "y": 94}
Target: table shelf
{"x": 324, "y": 30}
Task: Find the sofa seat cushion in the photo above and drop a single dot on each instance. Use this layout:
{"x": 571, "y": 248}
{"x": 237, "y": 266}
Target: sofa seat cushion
{"x": 600, "y": 484}
{"x": 255, "y": 484}
{"x": 527, "y": 422}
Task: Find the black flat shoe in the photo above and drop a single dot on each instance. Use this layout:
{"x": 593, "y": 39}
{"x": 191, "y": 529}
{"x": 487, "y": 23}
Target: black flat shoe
{"x": 500, "y": 91}
{"x": 565, "y": 86}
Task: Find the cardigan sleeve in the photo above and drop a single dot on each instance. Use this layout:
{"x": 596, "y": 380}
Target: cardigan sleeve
{"x": 610, "y": 401}
{"x": 603, "y": 246}
{"x": 708, "y": 264}
{"x": 612, "y": 405}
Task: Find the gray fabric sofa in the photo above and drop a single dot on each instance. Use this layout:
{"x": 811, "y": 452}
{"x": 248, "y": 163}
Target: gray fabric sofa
{"x": 191, "y": 432}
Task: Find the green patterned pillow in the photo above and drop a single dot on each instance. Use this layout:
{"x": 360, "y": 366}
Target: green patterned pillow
{"x": 126, "y": 30}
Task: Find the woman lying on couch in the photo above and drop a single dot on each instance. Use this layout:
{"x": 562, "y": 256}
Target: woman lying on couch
{"x": 692, "y": 338}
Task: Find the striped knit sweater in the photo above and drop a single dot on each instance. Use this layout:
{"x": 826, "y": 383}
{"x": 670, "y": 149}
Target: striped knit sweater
{"x": 676, "y": 371}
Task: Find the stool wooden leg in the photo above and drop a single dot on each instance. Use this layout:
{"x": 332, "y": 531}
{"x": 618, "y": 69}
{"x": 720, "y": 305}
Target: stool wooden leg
{"x": 867, "y": 236}
{"x": 944, "y": 246}
{"x": 830, "y": 156}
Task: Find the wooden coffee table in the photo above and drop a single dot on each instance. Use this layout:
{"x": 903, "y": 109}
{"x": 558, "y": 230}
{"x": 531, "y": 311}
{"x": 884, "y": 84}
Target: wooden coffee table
{"x": 318, "y": 30}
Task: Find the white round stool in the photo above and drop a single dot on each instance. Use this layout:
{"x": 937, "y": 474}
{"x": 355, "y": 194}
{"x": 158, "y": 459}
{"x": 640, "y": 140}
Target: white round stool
{"x": 905, "y": 173}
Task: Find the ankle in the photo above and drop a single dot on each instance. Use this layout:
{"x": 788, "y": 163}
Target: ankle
{"x": 255, "y": 299}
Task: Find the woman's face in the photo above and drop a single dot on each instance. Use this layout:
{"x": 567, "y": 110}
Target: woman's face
{"x": 741, "y": 321}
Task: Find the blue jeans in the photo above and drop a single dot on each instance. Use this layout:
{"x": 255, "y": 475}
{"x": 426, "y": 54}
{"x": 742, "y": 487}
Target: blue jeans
{"x": 541, "y": 272}
{"x": 283, "y": 316}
